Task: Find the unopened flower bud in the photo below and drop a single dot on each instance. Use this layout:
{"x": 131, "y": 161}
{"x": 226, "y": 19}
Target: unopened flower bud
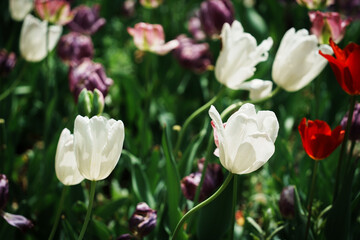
{"x": 213, "y": 15}
{"x": 74, "y": 47}
{"x": 97, "y": 103}
{"x": 84, "y": 102}
{"x": 354, "y": 133}
{"x": 143, "y": 221}
{"x": 287, "y": 202}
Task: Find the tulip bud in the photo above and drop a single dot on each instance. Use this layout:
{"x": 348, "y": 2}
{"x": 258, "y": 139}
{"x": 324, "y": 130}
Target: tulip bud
{"x": 7, "y": 62}
{"x": 88, "y": 75}
{"x": 4, "y": 190}
{"x": 192, "y": 55}
{"x": 74, "y": 47}
{"x": 98, "y": 103}
{"x": 54, "y": 11}
{"x": 84, "y": 102}
{"x": 354, "y": 133}
{"x": 287, "y": 202}
{"x": 86, "y": 20}
{"x": 328, "y": 25}
{"x": 213, "y": 15}
{"x": 143, "y": 221}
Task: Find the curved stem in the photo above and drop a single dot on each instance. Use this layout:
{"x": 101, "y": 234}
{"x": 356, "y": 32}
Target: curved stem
{"x": 58, "y": 212}
{"x": 311, "y": 197}
{"x": 234, "y": 106}
{"x": 88, "y": 213}
{"x": 343, "y": 146}
{"x": 202, "y": 204}
{"x": 233, "y": 208}
{"x": 193, "y": 116}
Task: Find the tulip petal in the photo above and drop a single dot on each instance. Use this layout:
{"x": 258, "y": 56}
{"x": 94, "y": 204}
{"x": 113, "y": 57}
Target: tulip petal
{"x": 20, "y": 8}
{"x": 18, "y": 221}
{"x": 65, "y": 162}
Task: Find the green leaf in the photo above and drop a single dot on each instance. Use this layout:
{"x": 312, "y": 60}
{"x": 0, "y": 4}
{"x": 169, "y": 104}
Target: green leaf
{"x": 172, "y": 181}
{"x": 215, "y": 218}
{"x": 101, "y": 230}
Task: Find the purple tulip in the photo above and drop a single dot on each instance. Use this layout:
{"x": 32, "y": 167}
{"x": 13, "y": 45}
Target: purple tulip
{"x": 143, "y": 220}
{"x": 213, "y": 15}
{"x": 192, "y": 55}
{"x": 354, "y": 133}
{"x": 287, "y": 202}
{"x": 212, "y": 181}
{"x": 15, "y": 220}
{"x": 7, "y": 62}
{"x": 88, "y": 75}
{"x": 86, "y": 20}
{"x": 74, "y": 47}
{"x": 194, "y": 27}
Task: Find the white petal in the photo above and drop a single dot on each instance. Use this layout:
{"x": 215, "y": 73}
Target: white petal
{"x": 268, "y": 123}
{"x": 33, "y": 38}
{"x": 65, "y": 163}
{"x": 98, "y": 145}
{"x": 20, "y": 8}
{"x": 258, "y": 88}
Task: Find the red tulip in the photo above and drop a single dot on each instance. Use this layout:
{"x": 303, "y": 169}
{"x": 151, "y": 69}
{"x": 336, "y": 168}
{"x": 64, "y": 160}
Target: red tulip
{"x": 318, "y": 139}
{"x": 346, "y": 66}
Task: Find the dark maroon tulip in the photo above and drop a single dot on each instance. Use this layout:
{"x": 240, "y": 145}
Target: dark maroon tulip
{"x": 213, "y": 15}
{"x": 15, "y": 220}
{"x": 350, "y": 8}
{"x": 74, "y": 47}
{"x": 192, "y": 55}
{"x": 143, "y": 221}
{"x": 7, "y": 62}
{"x": 212, "y": 181}
{"x": 354, "y": 133}
{"x": 88, "y": 75}
{"x": 287, "y": 202}
{"x": 86, "y": 20}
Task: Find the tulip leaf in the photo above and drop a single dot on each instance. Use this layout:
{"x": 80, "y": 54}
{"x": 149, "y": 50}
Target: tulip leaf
{"x": 139, "y": 180}
{"x": 108, "y": 209}
{"x": 172, "y": 181}
{"x": 214, "y": 219}
{"x": 101, "y": 230}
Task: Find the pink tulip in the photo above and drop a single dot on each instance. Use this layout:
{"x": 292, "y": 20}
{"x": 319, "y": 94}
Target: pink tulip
{"x": 54, "y": 11}
{"x": 151, "y": 38}
{"x": 328, "y": 24}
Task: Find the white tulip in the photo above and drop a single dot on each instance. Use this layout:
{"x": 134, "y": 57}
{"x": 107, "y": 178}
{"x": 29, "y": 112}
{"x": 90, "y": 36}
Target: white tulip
{"x": 239, "y": 55}
{"x": 20, "y": 8}
{"x": 33, "y": 38}
{"x": 246, "y": 141}
{"x": 297, "y": 61}
{"x": 258, "y": 88}
{"x": 98, "y": 143}
{"x": 65, "y": 163}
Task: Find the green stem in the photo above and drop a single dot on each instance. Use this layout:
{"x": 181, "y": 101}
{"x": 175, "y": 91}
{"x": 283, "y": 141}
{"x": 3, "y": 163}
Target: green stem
{"x": 58, "y": 212}
{"x": 234, "y": 106}
{"x": 88, "y": 213}
{"x": 343, "y": 146}
{"x": 233, "y": 208}
{"x": 202, "y": 204}
{"x": 311, "y": 197}
{"x": 14, "y": 84}
{"x": 193, "y": 116}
